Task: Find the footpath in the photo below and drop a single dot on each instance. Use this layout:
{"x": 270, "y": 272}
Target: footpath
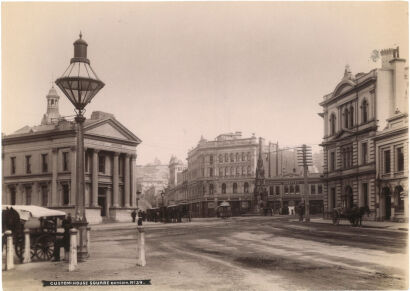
{"x": 366, "y": 224}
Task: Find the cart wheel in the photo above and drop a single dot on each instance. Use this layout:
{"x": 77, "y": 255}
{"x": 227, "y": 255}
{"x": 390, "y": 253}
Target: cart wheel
{"x": 44, "y": 247}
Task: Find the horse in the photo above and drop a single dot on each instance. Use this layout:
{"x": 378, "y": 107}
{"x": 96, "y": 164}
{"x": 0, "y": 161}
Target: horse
{"x": 357, "y": 215}
{"x": 354, "y": 214}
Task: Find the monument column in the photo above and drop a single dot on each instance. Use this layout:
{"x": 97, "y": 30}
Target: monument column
{"x": 115, "y": 181}
{"x": 127, "y": 181}
{"x": 95, "y": 178}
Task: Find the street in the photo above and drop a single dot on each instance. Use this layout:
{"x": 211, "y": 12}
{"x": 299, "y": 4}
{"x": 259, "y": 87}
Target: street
{"x": 240, "y": 253}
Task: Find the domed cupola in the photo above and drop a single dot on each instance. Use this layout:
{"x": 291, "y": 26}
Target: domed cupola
{"x": 53, "y": 114}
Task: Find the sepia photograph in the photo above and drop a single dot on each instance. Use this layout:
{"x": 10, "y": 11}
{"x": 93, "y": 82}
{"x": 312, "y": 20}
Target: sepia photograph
{"x": 205, "y": 145}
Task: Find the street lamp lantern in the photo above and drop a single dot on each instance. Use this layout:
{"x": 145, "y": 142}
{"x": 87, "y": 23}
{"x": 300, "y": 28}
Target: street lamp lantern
{"x": 80, "y": 84}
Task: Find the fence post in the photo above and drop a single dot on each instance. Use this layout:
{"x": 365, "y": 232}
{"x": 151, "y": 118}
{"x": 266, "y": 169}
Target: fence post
{"x": 141, "y": 247}
{"x": 27, "y": 250}
{"x": 72, "y": 260}
{"x": 88, "y": 241}
{"x": 9, "y": 250}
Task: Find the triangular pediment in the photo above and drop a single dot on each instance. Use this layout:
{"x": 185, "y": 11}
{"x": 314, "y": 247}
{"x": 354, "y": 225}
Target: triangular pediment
{"x": 110, "y": 128}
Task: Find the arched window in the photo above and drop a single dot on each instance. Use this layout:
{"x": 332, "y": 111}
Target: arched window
{"x": 271, "y": 190}
{"x": 237, "y": 157}
{"x": 243, "y": 156}
{"x": 232, "y": 171}
{"x": 292, "y": 189}
{"x": 249, "y": 170}
{"x": 223, "y": 188}
{"x": 221, "y": 159}
{"x": 226, "y": 171}
{"x": 364, "y": 111}
{"x": 211, "y": 172}
{"x": 246, "y": 187}
{"x": 235, "y": 188}
{"x": 232, "y": 158}
{"x": 346, "y": 118}
{"x": 238, "y": 171}
{"x": 332, "y": 124}
{"x": 226, "y": 157}
{"x": 297, "y": 189}
{"x": 211, "y": 189}
{"x": 286, "y": 189}
{"x": 351, "y": 121}
{"x": 243, "y": 171}
{"x": 203, "y": 189}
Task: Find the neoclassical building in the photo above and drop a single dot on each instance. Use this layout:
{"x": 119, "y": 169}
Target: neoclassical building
{"x": 357, "y": 116}
{"x": 39, "y": 165}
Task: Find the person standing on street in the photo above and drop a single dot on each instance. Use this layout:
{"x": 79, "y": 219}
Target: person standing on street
{"x": 133, "y": 215}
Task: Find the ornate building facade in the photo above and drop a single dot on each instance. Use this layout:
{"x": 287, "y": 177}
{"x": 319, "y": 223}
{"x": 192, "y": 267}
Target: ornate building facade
{"x": 39, "y": 165}
{"x": 356, "y": 118}
{"x": 225, "y": 170}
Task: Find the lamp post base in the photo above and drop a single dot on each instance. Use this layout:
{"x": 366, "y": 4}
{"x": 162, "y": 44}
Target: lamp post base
{"x": 82, "y": 245}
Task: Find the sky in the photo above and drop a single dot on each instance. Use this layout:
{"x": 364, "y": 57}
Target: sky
{"x": 176, "y": 71}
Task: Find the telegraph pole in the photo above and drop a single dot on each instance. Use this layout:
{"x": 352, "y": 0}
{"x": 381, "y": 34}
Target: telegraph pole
{"x": 305, "y": 160}
{"x": 277, "y": 158}
{"x": 269, "y": 160}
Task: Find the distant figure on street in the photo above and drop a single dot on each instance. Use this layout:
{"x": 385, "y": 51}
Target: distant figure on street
{"x": 140, "y": 217}
{"x": 63, "y": 241}
{"x": 301, "y": 211}
{"x": 133, "y": 215}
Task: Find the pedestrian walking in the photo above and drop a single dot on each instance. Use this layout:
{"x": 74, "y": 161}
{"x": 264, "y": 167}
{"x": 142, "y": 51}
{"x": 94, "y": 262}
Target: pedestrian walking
{"x": 133, "y": 215}
{"x": 64, "y": 240}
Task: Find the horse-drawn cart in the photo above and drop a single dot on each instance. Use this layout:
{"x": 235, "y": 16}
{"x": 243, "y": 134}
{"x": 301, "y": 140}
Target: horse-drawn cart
{"x": 353, "y": 214}
{"x": 42, "y": 224}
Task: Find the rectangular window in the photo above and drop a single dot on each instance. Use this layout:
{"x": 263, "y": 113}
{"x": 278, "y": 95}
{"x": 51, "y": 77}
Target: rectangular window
{"x": 101, "y": 164}
{"x": 319, "y": 189}
{"x": 332, "y": 161}
{"x": 44, "y": 163}
{"x": 312, "y": 189}
{"x": 65, "y": 161}
{"x": 28, "y": 195}
{"x": 86, "y": 162}
{"x": 400, "y": 159}
{"x": 364, "y": 153}
{"x": 12, "y": 196}
{"x": 365, "y": 194}
{"x": 333, "y": 198}
{"x": 28, "y": 164}
{"x": 347, "y": 155}
{"x": 387, "y": 161}
{"x": 211, "y": 159}
{"x": 203, "y": 172}
{"x": 44, "y": 195}
{"x": 211, "y": 172}
{"x": 277, "y": 190}
{"x": 13, "y": 165}
{"x": 297, "y": 189}
{"x": 66, "y": 194}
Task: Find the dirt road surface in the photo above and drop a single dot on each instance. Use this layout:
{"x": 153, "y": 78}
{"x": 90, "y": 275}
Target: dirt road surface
{"x": 244, "y": 253}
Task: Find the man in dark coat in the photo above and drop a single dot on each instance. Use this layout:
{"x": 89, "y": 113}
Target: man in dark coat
{"x": 63, "y": 241}
{"x": 133, "y": 215}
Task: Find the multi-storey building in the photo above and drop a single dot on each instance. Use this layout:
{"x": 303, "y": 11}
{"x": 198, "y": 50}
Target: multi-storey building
{"x": 39, "y": 165}
{"x": 225, "y": 170}
{"x": 357, "y": 111}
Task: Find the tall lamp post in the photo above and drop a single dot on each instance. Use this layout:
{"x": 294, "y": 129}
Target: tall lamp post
{"x": 80, "y": 84}
{"x": 138, "y": 197}
{"x": 163, "y": 205}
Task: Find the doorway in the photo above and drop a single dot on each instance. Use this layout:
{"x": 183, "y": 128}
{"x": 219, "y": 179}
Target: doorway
{"x": 387, "y": 202}
{"x": 102, "y": 200}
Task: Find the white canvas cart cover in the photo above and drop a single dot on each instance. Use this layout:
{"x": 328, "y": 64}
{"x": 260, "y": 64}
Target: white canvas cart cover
{"x": 27, "y": 211}
{"x": 225, "y": 204}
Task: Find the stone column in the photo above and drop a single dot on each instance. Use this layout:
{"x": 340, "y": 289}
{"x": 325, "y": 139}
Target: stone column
{"x": 27, "y": 252}
{"x": 115, "y": 181}
{"x": 9, "y": 250}
{"x": 54, "y": 178}
{"x": 133, "y": 182}
{"x": 72, "y": 260}
{"x": 95, "y": 178}
{"x": 73, "y": 177}
{"x": 127, "y": 181}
